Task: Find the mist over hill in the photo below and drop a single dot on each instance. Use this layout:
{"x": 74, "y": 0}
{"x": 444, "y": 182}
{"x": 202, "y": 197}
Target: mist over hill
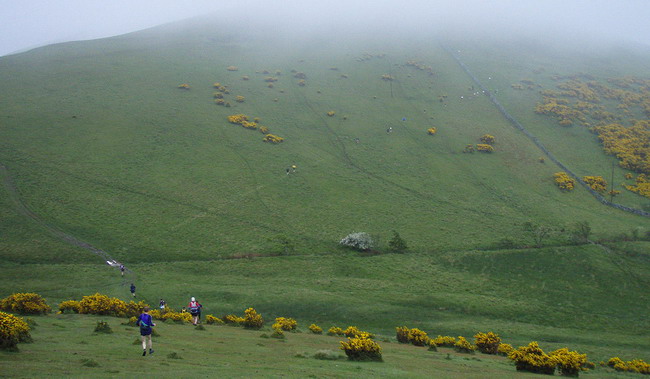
{"x": 225, "y": 157}
{"x": 101, "y": 142}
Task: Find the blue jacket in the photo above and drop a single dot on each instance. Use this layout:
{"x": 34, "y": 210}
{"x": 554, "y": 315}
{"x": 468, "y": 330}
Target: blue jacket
{"x": 144, "y": 320}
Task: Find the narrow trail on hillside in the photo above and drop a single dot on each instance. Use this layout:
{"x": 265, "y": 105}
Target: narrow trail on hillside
{"x": 148, "y": 195}
{"x": 537, "y": 142}
{"x": 22, "y": 208}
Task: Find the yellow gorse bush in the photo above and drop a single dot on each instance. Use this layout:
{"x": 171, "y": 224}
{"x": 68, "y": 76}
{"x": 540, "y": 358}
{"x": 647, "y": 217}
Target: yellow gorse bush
{"x": 242, "y": 119}
{"x": 285, "y": 323}
{"x": 444, "y": 341}
{"x": 564, "y": 181}
{"x": 232, "y": 68}
{"x": 418, "y": 337}
{"x": 463, "y": 346}
{"x": 99, "y": 304}
{"x": 487, "y": 343}
{"x": 210, "y": 319}
{"x": 635, "y": 365}
{"x": 570, "y": 363}
{"x": 233, "y": 320}
{"x": 237, "y": 118}
{"x": 484, "y": 148}
{"x": 504, "y": 349}
{"x": 252, "y": 319}
{"x": 597, "y": 183}
{"x": 402, "y": 334}
{"x": 335, "y": 331}
{"x": 315, "y": 329}
{"x": 361, "y": 348}
{"x": 12, "y": 331}
{"x": 631, "y": 145}
{"x": 533, "y": 359}
{"x": 272, "y": 138}
{"x": 25, "y": 303}
{"x": 176, "y": 316}
{"x": 69, "y": 306}
{"x": 184, "y": 86}
{"x": 487, "y": 139}
{"x": 642, "y": 186}
{"x": 432, "y": 131}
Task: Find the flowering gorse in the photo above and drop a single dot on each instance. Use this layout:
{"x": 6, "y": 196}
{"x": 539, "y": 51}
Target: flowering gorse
{"x": 487, "y": 343}
{"x": 284, "y": 323}
{"x": 12, "y": 331}
{"x": 25, "y": 303}
{"x": 252, "y": 319}
{"x": 315, "y": 329}
{"x": 362, "y": 348}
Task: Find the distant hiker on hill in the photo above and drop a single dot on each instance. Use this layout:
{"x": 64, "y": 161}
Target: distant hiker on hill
{"x": 133, "y": 289}
{"x": 293, "y": 168}
{"x": 183, "y": 310}
{"x": 145, "y": 322}
{"x": 162, "y": 304}
{"x": 122, "y": 269}
{"x": 288, "y": 170}
{"x": 390, "y": 129}
{"x": 195, "y": 310}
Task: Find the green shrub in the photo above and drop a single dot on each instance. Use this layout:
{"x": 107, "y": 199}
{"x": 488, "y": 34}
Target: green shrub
{"x": 103, "y": 327}
{"x": 327, "y": 355}
{"x": 397, "y": 243}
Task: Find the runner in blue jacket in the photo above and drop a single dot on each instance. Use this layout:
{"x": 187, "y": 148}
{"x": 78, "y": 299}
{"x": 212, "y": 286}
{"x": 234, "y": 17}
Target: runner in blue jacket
{"x": 145, "y": 322}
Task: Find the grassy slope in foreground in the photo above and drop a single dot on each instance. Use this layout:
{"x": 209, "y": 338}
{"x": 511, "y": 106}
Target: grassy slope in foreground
{"x": 117, "y": 155}
{"x": 582, "y": 297}
{"x": 65, "y": 345}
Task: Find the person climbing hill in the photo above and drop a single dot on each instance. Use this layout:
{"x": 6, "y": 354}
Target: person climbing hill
{"x": 195, "y": 310}
{"x": 145, "y": 322}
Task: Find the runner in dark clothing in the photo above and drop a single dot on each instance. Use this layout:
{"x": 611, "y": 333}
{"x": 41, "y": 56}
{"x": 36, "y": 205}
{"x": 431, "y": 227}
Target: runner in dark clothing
{"x": 145, "y": 322}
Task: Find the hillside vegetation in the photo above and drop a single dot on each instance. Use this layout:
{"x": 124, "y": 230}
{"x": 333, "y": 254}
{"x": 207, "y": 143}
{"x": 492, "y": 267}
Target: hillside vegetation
{"x": 123, "y": 143}
{"x": 101, "y": 142}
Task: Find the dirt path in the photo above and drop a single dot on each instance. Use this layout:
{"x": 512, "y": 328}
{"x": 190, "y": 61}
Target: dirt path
{"x": 22, "y": 208}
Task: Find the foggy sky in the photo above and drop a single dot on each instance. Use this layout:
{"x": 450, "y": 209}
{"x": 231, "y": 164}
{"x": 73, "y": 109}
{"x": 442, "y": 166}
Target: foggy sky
{"x": 27, "y": 24}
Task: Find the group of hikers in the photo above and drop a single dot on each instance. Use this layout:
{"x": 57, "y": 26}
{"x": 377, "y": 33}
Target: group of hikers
{"x": 146, "y": 324}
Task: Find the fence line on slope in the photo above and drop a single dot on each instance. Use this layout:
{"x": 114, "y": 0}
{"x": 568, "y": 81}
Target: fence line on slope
{"x": 537, "y": 142}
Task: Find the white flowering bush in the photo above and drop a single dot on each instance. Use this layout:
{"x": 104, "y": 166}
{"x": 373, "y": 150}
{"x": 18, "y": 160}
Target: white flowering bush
{"x": 358, "y": 241}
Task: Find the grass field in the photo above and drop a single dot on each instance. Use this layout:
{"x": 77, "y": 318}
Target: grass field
{"x": 65, "y": 345}
{"x": 100, "y": 143}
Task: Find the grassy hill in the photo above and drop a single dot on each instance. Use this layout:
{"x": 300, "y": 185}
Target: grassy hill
{"x": 67, "y": 346}
{"x": 100, "y": 143}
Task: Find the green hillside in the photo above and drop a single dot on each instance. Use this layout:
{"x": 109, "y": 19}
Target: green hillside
{"x": 100, "y": 143}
